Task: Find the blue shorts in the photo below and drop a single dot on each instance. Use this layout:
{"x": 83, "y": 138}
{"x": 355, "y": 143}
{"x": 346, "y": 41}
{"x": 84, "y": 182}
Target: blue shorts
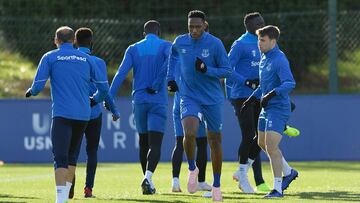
{"x": 210, "y": 114}
{"x": 66, "y": 137}
{"x": 272, "y": 121}
{"x": 150, "y": 117}
{"x": 179, "y": 132}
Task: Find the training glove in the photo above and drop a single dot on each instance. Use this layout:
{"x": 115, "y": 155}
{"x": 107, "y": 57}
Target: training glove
{"x": 28, "y": 93}
{"x": 151, "y": 91}
{"x": 200, "y": 65}
{"x": 92, "y": 102}
{"x": 172, "y": 86}
{"x": 253, "y": 84}
{"x": 265, "y": 100}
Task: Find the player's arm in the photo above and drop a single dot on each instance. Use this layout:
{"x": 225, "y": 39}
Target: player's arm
{"x": 156, "y": 85}
{"x": 122, "y": 72}
{"x": 173, "y": 60}
{"x": 222, "y": 69}
{"x": 234, "y": 57}
{"x": 100, "y": 81}
{"x": 286, "y": 77}
{"x": 42, "y": 75}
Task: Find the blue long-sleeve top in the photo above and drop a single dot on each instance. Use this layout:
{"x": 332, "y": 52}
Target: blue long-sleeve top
{"x": 244, "y": 58}
{"x": 71, "y": 73}
{"x": 97, "y": 109}
{"x": 204, "y": 88}
{"x": 275, "y": 74}
{"x": 148, "y": 58}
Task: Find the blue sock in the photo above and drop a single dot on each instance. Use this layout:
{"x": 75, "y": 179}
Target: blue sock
{"x": 216, "y": 180}
{"x": 191, "y": 165}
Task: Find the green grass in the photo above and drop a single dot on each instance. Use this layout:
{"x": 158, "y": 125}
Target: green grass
{"x": 317, "y": 182}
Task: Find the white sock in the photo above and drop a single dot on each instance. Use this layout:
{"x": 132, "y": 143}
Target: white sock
{"x": 148, "y": 175}
{"x": 285, "y": 168}
{"x": 61, "y": 194}
{"x": 250, "y": 161}
{"x": 68, "y": 187}
{"x": 277, "y": 184}
{"x": 175, "y": 181}
{"x": 243, "y": 168}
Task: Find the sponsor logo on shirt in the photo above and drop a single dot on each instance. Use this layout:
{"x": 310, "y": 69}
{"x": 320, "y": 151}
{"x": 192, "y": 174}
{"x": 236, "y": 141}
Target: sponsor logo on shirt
{"x": 205, "y": 53}
{"x": 255, "y": 63}
{"x": 71, "y": 58}
{"x": 183, "y": 51}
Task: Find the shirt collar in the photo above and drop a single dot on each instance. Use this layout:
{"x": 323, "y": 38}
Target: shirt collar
{"x": 151, "y": 36}
{"x": 203, "y": 35}
{"x": 66, "y": 45}
{"x": 85, "y": 50}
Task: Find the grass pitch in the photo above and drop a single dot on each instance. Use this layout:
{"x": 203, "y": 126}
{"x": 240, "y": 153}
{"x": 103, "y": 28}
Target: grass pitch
{"x": 317, "y": 182}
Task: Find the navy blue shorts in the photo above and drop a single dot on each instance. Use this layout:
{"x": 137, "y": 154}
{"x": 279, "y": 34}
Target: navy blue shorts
{"x": 66, "y": 136}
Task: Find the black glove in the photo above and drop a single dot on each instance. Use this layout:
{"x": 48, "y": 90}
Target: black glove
{"x": 151, "y": 91}
{"x": 28, "y": 93}
{"x": 293, "y": 106}
{"x": 265, "y": 100}
{"x": 106, "y": 106}
{"x": 252, "y": 84}
{"x": 92, "y": 102}
{"x": 172, "y": 86}
{"x": 247, "y": 103}
{"x": 200, "y": 65}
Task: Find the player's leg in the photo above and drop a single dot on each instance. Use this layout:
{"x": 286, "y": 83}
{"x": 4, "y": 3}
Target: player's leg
{"x": 156, "y": 126}
{"x": 140, "y": 116}
{"x": 60, "y": 138}
{"x": 213, "y": 117}
{"x": 92, "y": 135}
{"x": 246, "y": 122}
{"x": 201, "y": 157}
{"x": 190, "y": 115}
{"x": 178, "y": 151}
{"x": 78, "y": 129}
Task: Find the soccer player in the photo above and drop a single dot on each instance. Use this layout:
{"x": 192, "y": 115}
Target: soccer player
{"x": 244, "y": 57}
{"x": 148, "y": 58}
{"x": 201, "y": 143}
{"x": 71, "y": 73}
{"x": 83, "y": 40}
{"x": 203, "y": 61}
{"x": 276, "y": 82}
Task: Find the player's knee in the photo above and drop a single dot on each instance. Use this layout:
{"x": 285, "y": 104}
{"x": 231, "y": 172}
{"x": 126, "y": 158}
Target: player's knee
{"x": 214, "y": 140}
{"x": 61, "y": 161}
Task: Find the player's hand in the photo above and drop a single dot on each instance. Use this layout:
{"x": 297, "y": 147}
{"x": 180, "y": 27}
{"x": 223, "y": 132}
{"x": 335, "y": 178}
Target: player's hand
{"x": 200, "y": 65}
{"x": 106, "y": 106}
{"x": 247, "y": 103}
{"x": 92, "y": 102}
{"x": 265, "y": 100}
{"x": 116, "y": 116}
{"x": 252, "y": 84}
{"x": 172, "y": 86}
{"x": 28, "y": 93}
{"x": 151, "y": 91}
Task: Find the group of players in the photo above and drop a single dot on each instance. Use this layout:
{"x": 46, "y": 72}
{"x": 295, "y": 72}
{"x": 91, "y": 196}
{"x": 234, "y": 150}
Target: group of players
{"x": 258, "y": 82}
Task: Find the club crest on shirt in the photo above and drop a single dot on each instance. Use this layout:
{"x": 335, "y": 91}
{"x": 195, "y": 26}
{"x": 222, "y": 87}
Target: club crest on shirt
{"x": 205, "y": 53}
{"x": 268, "y": 67}
{"x": 253, "y": 53}
{"x": 183, "y": 51}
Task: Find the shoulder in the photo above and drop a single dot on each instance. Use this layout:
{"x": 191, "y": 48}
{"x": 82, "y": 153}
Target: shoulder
{"x": 214, "y": 40}
{"x": 182, "y": 39}
{"x": 98, "y": 60}
{"x": 281, "y": 58}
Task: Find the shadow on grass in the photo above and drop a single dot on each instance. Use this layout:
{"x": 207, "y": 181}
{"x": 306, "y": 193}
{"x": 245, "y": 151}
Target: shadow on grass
{"x": 139, "y": 200}
{"x": 333, "y": 195}
{"x": 6, "y": 196}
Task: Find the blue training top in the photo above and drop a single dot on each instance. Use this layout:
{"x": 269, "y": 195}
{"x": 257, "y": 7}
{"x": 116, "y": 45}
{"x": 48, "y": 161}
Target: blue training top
{"x": 71, "y": 73}
{"x": 97, "y": 109}
{"x": 204, "y": 88}
{"x": 244, "y": 58}
{"x": 148, "y": 58}
{"x": 275, "y": 74}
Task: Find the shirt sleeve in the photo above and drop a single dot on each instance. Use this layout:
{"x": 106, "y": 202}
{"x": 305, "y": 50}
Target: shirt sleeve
{"x": 42, "y": 75}
{"x": 99, "y": 79}
{"x": 173, "y": 60}
{"x": 286, "y": 77}
{"x": 124, "y": 68}
{"x": 223, "y": 69}
{"x": 234, "y": 56}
